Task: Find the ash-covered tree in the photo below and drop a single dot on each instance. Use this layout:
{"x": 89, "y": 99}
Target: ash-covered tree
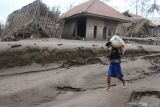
{"x": 144, "y": 6}
{"x": 153, "y": 8}
{"x": 55, "y": 11}
{"x": 1, "y": 28}
{"x": 140, "y": 6}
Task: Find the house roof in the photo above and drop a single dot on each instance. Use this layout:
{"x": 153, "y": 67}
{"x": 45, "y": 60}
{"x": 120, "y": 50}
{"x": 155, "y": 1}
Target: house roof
{"x": 152, "y": 24}
{"x": 155, "y": 20}
{"x": 131, "y": 16}
{"x": 96, "y": 8}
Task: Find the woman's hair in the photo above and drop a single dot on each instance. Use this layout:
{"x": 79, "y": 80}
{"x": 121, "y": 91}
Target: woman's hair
{"x": 108, "y": 43}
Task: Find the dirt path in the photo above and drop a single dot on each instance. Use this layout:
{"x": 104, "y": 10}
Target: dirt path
{"x": 81, "y": 86}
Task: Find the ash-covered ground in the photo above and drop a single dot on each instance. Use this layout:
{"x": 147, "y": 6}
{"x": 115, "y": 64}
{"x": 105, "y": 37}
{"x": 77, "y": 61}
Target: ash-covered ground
{"x": 81, "y": 82}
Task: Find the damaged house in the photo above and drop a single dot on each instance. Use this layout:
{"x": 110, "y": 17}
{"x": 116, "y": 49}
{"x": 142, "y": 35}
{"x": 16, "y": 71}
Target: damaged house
{"x": 138, "y": 27}
{"x": 91, "y": 20}
{"x": 155, "y": 27}
{"x": 33, "y": 19}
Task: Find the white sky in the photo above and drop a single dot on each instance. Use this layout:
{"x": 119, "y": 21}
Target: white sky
{"x": 8, "y": 6}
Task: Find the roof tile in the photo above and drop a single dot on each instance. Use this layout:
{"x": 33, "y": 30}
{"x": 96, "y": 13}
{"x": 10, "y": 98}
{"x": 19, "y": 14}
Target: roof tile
{"x": 95, "y": 7}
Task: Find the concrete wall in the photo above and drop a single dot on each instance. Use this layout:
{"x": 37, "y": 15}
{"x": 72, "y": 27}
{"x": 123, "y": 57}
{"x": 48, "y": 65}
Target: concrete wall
{"x": 90, "y": 23}
{"x": 68, "y": 29}
{"x": 100, "y": 23}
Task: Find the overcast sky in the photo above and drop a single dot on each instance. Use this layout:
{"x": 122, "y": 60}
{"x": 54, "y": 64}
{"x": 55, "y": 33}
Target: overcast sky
{"x": 8, "y": 6}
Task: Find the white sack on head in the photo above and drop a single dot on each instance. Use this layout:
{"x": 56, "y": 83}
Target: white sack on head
{"x": 117, "y": 41}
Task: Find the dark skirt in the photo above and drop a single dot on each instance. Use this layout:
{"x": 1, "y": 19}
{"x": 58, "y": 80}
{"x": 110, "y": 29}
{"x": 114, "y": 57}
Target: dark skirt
{"x": 115, "y": 70}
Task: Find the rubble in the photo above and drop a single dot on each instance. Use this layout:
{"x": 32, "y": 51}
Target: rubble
{"x": 32, "y": 20}
{"x": 138, "y": 27}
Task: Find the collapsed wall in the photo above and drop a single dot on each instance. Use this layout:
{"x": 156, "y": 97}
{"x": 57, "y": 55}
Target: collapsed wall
{"x": 137, "y": 28}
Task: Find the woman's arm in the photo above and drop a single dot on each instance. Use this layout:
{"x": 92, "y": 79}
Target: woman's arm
{"x": 109, "y": 50}
{"x": 120, "y": 50}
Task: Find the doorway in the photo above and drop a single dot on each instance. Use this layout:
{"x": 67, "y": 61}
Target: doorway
{"x": 81, "y": 27}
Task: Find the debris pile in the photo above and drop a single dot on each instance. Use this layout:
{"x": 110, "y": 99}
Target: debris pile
{"x": 144, "y": 99}
{"x": 138, "y": 27}
{"x": 34, "y": 19}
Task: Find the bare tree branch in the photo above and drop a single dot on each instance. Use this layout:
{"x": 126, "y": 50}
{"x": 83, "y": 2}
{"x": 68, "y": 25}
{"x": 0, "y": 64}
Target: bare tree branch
{"x": 154, "y": 7}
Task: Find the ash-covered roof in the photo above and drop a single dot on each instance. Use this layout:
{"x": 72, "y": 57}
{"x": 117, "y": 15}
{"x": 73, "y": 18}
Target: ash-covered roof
{"x": 95, "y": 8}
{"x": 155, "y": 20}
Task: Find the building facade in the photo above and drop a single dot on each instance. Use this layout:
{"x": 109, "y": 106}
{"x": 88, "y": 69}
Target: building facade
{"x": 92, "y": 20}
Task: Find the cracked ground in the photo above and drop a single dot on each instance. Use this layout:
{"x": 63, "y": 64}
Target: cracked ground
{"x": 80, "y": 86}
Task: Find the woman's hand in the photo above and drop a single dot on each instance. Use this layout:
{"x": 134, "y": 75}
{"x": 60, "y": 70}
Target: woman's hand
{"x": 120, "y": 50}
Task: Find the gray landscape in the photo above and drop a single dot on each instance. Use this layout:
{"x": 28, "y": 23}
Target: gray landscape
{"x": 54, "y": 59}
